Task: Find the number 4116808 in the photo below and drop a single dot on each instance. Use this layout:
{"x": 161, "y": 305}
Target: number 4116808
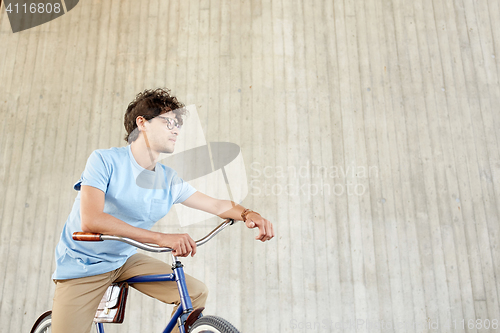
{"x": 34, "y": 8}
{"x": 477, "y": 324}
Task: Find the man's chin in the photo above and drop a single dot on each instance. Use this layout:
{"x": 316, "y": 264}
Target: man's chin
{"x": 168, "y": 150}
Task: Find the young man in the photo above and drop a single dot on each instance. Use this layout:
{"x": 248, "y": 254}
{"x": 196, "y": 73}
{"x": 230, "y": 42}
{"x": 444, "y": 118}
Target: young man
{"x": 111, "y": 201}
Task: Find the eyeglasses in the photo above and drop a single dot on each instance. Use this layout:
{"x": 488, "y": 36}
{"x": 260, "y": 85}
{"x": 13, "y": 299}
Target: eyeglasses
{"x": 171, "y": 122}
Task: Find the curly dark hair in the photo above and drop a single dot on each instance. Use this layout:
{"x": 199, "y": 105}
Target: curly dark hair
{"x": 149, "y": 104}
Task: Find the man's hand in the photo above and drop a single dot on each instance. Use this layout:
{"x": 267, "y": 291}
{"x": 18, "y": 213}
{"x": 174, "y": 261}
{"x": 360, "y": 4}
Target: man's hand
{"x": 266, "y": 231}
{"x": 182, "y": 244}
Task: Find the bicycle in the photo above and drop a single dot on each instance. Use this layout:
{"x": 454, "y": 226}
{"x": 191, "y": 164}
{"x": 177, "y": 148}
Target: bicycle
{"x": 189, "y": 320}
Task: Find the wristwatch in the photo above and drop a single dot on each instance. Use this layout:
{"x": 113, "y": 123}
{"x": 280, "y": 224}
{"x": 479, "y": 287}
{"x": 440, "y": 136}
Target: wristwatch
{"x": 245, "y": 213}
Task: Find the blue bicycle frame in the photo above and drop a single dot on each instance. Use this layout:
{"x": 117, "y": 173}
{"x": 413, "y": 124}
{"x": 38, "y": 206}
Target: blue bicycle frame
{"x": 184, "y": 308}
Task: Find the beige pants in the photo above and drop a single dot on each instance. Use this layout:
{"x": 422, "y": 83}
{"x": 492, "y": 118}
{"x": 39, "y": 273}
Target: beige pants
{"x": 76, "y": 300}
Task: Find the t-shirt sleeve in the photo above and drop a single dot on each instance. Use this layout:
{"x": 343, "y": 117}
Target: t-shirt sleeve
{"x": 181, "y": 190}
{"x": 96, "y": 173}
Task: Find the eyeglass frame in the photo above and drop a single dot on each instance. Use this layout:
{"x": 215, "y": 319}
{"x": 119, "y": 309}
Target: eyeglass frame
{"x": 171, "y": 125}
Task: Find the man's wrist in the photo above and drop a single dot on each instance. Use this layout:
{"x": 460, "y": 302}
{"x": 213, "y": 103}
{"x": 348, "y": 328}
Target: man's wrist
{"x": 245, "y": 213}
{"x": 157, "y": 237}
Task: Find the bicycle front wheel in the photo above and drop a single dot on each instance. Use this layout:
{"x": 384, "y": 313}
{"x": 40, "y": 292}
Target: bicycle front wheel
{"x": 212, "y": 324}
{"x": 43, "y": 323}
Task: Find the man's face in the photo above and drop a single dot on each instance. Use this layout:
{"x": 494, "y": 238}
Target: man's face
{"x": 163, "y": 133}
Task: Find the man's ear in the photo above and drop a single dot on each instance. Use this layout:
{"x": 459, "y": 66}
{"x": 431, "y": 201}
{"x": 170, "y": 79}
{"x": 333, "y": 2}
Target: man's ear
{"x": 140, "y": 121}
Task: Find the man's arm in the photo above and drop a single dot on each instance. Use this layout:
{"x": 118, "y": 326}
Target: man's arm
{"x": 229, "y": 210}
{"x": 93, "y": 219}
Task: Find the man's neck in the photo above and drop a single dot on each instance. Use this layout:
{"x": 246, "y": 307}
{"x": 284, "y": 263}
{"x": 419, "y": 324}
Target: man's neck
{"x": 144, "y": 156}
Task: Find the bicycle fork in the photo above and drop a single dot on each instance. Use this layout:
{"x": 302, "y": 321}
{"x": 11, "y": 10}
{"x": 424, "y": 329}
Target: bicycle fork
{"x": 186, "y": 307}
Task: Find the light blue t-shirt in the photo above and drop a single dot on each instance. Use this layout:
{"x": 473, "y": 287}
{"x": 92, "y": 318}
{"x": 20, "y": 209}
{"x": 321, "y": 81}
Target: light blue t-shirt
{"x": 133, "y": 194}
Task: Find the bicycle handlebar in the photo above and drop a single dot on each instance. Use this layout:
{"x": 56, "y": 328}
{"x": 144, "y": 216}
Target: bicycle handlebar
{"x": 91, "y": 237}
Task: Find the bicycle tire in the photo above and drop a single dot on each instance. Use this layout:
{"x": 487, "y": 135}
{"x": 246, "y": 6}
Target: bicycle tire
{"x": 43, "y": 323}
{"x": 212, "y": 324}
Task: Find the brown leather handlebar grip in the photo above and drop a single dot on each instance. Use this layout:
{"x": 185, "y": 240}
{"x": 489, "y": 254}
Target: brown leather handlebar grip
{"x": 87, "y": 237}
